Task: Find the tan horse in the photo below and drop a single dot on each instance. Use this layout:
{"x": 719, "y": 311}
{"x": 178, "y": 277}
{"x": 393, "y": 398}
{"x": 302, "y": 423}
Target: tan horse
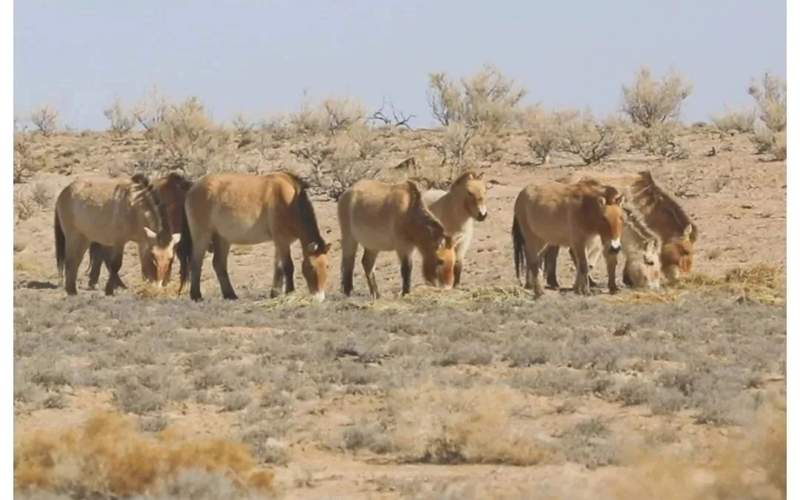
{"x": 111, "y": 212}
{"x": 171, "y": 191}
{"x": 566, "y": 215}
{"x": 392, "y": 217}
{"x": 660, "y": 212}
{"x": 226, "y": 209}
{"x": 456, "y": 208}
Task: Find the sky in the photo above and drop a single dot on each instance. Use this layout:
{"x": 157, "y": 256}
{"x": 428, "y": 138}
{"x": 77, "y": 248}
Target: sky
{"x": 259, "y": 58}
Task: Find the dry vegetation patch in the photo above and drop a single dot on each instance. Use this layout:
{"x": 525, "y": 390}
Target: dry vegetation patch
{"x": 107, "y": 456}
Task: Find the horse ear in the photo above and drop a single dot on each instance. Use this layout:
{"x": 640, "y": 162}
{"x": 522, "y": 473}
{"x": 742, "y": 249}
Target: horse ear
{"x": 176, "y": 238}
{"x": 601, "y": 200}
{"x": 687, "y": 233}
{"x": 619, "y": 200}
{"x": 480, "y": 175}
{"x": 150, "y": 233}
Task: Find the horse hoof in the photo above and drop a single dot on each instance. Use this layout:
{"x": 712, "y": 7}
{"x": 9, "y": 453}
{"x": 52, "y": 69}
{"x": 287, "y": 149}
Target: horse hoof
{"x": 231, "y": 296}
{"x": 273, "y": 293}
{"x": 196, "y": 297}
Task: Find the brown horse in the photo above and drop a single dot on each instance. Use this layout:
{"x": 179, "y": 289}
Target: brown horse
{"x": 171, "y": 190}
{"x": 226, "y": 209}
{"x": 660, "y": 213}
{"x": 111, "y": 212}
{"x": 641, "y": 247}
{"x": 566, "y": 215}
{"x": 456, "y": 208}
{"x": 392, "y": 217}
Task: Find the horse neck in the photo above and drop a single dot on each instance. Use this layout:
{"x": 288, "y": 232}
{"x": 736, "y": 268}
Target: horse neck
{"x": 307, "y": 228}
{"x": 452, "y": 204}
{"x": 416, "y": 225}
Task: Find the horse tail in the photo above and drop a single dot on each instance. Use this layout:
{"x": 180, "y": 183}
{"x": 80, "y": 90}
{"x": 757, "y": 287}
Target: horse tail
{"x": 61, "y": 245}
{"x": 519, "y": 247}
{"x": 184, "y": 251}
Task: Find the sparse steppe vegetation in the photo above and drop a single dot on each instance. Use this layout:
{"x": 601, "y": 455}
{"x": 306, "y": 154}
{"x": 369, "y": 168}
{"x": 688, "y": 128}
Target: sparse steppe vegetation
{"x": 479, "y": 390}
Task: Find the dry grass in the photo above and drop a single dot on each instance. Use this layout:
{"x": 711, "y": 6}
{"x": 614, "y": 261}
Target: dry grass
{"x": 452, "y": 426}
{"x": 751, "y": 465}
{"x": 107, "y": 456}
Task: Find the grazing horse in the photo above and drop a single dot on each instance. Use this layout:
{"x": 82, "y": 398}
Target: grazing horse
{"x": 111, "y": 212}
{"x": 660, "y": 213}
{"x": 566, "y": 215}
{"x": 226, "y": 209}
{"x": 456, "y": 209}
{"x": 392, "y": 217}
{"x": 641, "y": 247}
{"x": 171, "y": 190}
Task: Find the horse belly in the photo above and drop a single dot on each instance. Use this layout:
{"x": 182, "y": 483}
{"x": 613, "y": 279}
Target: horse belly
{"x": 242, "y": 230}
{"x": 376, "y": 239}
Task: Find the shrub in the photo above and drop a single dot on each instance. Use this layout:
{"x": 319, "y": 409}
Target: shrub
{"x": 739, "y": 121}
{"x": 24, "y": 164}
{"x": 659, "y": 140}
{"x": 120, "y": 121}
{"x": 544, "y": 131}
{"x": 45, "y": 119}
{"x": 649, "y": 102}
{"x": 590, "y": 140}
{"x": 27, "y": 203}
{"x": 338, "y": 162}
{"x": 770, "y": 96}
{"x": 454, "y": 146}
{"x": 485, "y": 100}
{"x": 328, "y": 117}
{"x": 188, "y": 139}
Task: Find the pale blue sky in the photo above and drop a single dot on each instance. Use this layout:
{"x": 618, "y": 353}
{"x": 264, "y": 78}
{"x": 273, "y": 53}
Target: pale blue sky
{"x": 258, "y": 57}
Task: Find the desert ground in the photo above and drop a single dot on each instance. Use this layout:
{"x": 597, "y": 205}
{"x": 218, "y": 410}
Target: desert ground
{"x": 476, "y": 392}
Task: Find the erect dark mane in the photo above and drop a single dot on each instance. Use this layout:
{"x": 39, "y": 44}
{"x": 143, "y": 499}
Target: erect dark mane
{"x": 308, "y": 217}
{"x": 144, "y": 195}
{"x": 647, "y": 191}
{"x": 419, "y": 208}
{"x": 177, "y": 180}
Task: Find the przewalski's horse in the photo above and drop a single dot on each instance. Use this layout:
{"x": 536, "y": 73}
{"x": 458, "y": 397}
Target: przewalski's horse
{"x": 660, "y": 213}
{"x": 456, "y": 208}
{"x": 226, "y": 209}
{"x": 392, "y": 217}
{"x": 566, "y": 215}
{"x": 171, "y": 191}
{"x": 111, "y": 212}
{"x": 641, "y": 248}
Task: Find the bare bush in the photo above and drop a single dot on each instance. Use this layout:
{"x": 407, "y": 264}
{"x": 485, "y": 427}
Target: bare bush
{"x": 150, "y": 110}
{"x": 25, "y": 166}
{"x": 120, "y": 120}
{"x": 649, "y": 102}
{"x": 338, "y": 162}
{"x": 27, "y": 203}
{"x": 188, "y": 139}
{"x": 328, "y": 117}
{"x": 485, "y": 100}
{"x": 391, "y": 116}
{"x": 45, "y": 119}
{"x": 454, "y": 146}
{"x": 592, "y": 141}
{"x": 770, "y": 134}
{"x": 659, "y": 140}
{"x": 544, "y": 131}
{"x": 733, "y": 120}
{"x": 770, "y": 95}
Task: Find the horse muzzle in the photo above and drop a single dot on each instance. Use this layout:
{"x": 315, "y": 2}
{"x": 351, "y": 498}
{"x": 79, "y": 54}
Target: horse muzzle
{"x": 482, "y": 214}
{"x": 615, "y": 246}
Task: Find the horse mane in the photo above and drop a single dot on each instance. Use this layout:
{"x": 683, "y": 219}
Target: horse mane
{"x": 144, "y": 195}
{"x": 634, "y": 221}
{"x": 418, "y": 207}
{"x": 177, "y": 180}
{"x": 651, "y": 194}
{"x": 308, "y": 217}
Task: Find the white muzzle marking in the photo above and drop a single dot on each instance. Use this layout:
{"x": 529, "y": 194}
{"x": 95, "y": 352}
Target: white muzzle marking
{"x": 615, "y": 245}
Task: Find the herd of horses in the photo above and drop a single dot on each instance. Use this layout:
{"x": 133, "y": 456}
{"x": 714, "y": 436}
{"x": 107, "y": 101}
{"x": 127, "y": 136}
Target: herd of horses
{"x": 172, "y": 217}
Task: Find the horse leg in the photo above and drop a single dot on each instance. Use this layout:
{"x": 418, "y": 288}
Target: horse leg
{"x": 405, "y": 272}
{"x": 287, "y": 265}
{"x": 368, "y": 261}
{"x": 97, "y": 255}
{"x": 533, "y": 249}
{"x": 626, "y": 275}
{"x": 457, "y": 271}
{"x": 582, "y": 265}
{"x": 611, "y": 266}
{"x": 113, "y": 260}
{"x": 199, "y": 247}
{"x": 349, "y": 250}
{"x": 76, "y": 246}
{"x": 550, "y": 264}
{"x": 277, "y": 276}
{"x": 220, "y": 262}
